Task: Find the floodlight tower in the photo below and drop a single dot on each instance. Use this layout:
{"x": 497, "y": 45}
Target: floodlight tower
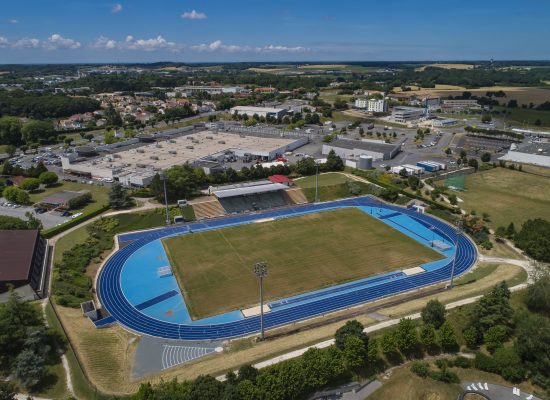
{"x": 458, "y": 232}
{"x": 316, "y": 181}
{"x": 260, "y": 270}
{"x": 162, "y": 176}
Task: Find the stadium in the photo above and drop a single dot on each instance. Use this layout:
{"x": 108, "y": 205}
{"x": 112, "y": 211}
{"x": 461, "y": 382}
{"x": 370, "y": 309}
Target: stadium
{"x": 195, "y": 281}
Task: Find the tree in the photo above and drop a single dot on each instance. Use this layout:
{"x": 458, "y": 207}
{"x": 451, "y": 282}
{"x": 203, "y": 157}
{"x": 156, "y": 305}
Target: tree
{"x": 119, "y": 197}
{"x": 350, "y": 328}
{"x": 206, "y": 387}
{"x": 10, "y": 150}
{"x": 112, "y": 116}
{"x": 453, "y": 199}
{"x": 48, "y": 178}
{"x": 247, "y": 372}
{"x": 403, "y": 172}
{"x": 509, "y": 364}
{"x": 495, "y": 336}
{"x": 471, "y": 337}
{"x": 533, "y": 345}
{"x": 510, "y": 231}
{"x": 35, "y": 131}
{"x": 334, "y": 162}
{"x": 537, "y": 295}
{"x": 433, "y": 313}
{"x": 486, "y": 118}
{"x": 355, "y": 352}
{"x": 428, "y": 337}
{"x": 306, "y": 166}
{"x": 448, "y": 151}
{"x": 486, "y": 157}
{"x": 8, "y": 390}
{"x": 29, "y": 368}
{"x": 492, "y": 309}
{"x": 472, "y": 162}
{"x": 10, "y": 130}
{"x": 406, "y": 336}
{"x": 447, "y": 336}
{"x": 372, "y": 350}
{"x": 30, "y": 184}
{"x": 9, "y": 223}
{"x": 32, "y": 221}
{"x": 389, "y": 194}
{"x": 420, "y": 368}
{"x": 16, "y": 195}
{"x": 534, "y": 239}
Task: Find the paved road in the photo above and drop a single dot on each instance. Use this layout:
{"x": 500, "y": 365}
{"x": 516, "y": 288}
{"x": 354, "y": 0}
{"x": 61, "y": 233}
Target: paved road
{"x": 493, "y": 391}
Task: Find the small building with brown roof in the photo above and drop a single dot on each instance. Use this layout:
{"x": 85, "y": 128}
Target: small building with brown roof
{"x": 22, "y": 261}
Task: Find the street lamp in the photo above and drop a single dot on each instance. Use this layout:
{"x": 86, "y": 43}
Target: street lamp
{"x": 260, "y": 270}
{"x": 163, "y": 178}
{"x": 458, "y": 232}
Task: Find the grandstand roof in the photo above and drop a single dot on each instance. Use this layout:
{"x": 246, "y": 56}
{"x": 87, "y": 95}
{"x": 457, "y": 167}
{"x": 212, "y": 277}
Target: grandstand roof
{"x": 242, "y": 191}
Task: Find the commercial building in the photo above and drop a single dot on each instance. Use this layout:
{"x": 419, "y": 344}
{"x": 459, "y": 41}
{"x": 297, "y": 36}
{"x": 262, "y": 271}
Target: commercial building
{"x": 532, "y": 153}
{"x": 431, "y": 166}
{"x": 259, "y": 111}
{"x": 354, "y": 149}
{"x": 190, "y": 90}
{"x": 23, "y": 262}
{"x": 459, "y": 105}
{"x": 407, "y": 114}
{"x": 137, "y": 166}
{"x": 409, "y": 169}
{"x": 439, "y": 122}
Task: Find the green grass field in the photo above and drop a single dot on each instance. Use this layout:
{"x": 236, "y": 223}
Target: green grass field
{"x": 214, "y": 268}
{"x": 332, "y": 186}
{"x": 100, "y": 194}
{"x": 507, "y": 196}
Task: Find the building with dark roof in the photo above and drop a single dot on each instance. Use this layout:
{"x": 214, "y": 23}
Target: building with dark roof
{"x": 353, "y": 149}
{"x": 23, "y": 258}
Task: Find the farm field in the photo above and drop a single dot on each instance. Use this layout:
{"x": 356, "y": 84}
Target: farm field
{"x": 447, "y": 66}
{"x": 214, "y": 268}
{"x": 507, "y": 196}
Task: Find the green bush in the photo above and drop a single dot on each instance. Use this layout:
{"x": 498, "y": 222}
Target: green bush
{"x": 485, "y": 363}
{"x": 80, "y": 201}
{"x": 461, "y": 362}
{"x": 420, "y": 368}
{"x": 445, "y": 375}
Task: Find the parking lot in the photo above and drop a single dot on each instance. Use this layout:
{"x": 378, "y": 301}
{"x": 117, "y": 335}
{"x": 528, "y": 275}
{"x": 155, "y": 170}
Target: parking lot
{"x": 49, "y": 219}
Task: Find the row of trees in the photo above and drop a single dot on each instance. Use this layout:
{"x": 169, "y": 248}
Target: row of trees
{"x": 184, "y": 181}
{"x": 20, "y": 195}
{"x": 44, "y": 106}
{"x": 14, "y": 132}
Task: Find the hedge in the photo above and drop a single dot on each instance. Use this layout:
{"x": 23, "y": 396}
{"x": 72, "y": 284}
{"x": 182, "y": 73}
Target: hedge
{"x": 48, "y": 233}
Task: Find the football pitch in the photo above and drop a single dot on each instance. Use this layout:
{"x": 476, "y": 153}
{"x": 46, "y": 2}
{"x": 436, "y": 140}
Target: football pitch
{"x": 215, "y": 268}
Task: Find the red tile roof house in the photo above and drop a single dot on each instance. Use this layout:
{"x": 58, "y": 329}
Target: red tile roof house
{"x": 285, "y": 180}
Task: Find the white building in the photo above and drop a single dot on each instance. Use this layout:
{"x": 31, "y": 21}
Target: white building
{"x": 372, "y": 105}
{"x": 259, "y": 111}
{"x": 354, "y": 149}
{"x": 533, "y": 153}
{"x": 378, "y": 106}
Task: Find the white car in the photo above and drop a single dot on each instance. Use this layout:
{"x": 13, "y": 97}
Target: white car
{"x": 76, "y": 215}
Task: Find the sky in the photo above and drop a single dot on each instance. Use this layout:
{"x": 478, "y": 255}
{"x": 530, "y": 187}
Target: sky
{"x": 99, "y": 31}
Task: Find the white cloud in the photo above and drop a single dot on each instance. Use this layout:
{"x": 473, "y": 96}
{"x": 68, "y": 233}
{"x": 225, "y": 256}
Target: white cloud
{"x": 56, "y": 42}
{"x": 4, "y": 42}
{"x": 26, "y": 43}
{"x": 193, "y": 15}
{"x": 153, "y": 44}
{"x": 116, "y": 8}
{"x": 104, "y": 43}
{"x": 13, "y": 21}
{"x": 219, "y": 46}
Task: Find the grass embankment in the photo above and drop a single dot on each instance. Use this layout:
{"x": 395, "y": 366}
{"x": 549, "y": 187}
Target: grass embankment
{"x": 303, "y": 253}
{"x": 507, "y": 196}
{"x": 332, "y": 186}
{"x": 100, "y": 194}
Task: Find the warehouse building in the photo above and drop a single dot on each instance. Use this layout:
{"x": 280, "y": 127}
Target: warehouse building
{"x": 23, "y": 264}
{"x": 259, "y": 111}
{"x": 137, "y": 166}
{"x": 459, "y": 105}
{"x": 353, "y": 149}
{"x": 407, "y": 114}
{"x": 532, "y": 153}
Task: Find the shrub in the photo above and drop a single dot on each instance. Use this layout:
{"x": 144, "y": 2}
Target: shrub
{"x": 462, "y": 362}
{"x": 485, "y": 363}
{"x": 441, "y": 363}
{"x": 509, "y": 364}
{"x": 30, "y": 184}
{"x": 445, "y": 375}
{"x": 16, "y": 195}
{"x": 433, "y": 313}
{"x": 420, "y": 368}
{"x": 80, "y": 201}
{"x": 48, "y": 178}
{"x": 495, "y": 336}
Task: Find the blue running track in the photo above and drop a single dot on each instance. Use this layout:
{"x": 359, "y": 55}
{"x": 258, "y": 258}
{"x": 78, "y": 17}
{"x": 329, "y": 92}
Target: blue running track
{"x": 111, "y": 295}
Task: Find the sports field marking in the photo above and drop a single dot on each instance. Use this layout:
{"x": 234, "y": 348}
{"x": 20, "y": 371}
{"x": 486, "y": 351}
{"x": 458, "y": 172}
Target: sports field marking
{"x": 304, "y": 253}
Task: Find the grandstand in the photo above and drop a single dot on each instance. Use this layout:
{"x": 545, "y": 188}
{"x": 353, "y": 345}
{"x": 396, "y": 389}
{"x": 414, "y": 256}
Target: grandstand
{"x": 208, "y": 209}
{"x": 254, "y": 196}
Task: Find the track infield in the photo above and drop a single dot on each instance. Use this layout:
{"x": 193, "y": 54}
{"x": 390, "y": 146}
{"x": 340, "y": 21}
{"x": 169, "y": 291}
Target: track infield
{"x": 305, "y": 253}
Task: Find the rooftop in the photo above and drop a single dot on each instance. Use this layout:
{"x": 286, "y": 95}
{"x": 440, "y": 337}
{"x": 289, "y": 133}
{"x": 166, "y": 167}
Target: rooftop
{"x": 271, "y": 187}
{"x": 541, "y": 149}
{"x": 380, "y": 147}
{"x": 17, "y": 249}
{"x": 258, "y": 109}
{"x": 62, "y": 197}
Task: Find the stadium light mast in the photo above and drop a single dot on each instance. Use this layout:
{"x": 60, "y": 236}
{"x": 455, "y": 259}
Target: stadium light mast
{"x": 163, "y": 178}
{"x": 316, "y": 182}
{"x": 458, "y": 232}
{"x": 260, "y": 270}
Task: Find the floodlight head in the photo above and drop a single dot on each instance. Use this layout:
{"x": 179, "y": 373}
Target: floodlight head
{"x": 260, "y": 269}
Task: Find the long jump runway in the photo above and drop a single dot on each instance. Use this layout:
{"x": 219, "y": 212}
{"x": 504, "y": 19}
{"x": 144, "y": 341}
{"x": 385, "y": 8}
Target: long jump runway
{"x": 284, "y": 311}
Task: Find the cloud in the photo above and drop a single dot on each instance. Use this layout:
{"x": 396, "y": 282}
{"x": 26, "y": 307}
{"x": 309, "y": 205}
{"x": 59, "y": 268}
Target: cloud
{"x": 154, "y": 44}
{"x": 116, "y": 8}
{"x": 103, "y": 43}
{"x": 4, "y": 42}
{"x": 13, "y": 21}
{"x": 26, "y": 43}
{"x": 193, "y": 15}
{"x": 57, "y": 42}
{"x": 217, "y": 45}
